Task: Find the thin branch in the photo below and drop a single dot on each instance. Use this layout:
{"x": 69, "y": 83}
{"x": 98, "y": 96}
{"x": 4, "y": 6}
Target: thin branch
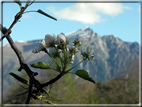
{"x": 3, "y": 30}
{"x": 29, "y": 11}
{"x": 23, "y": 65}
{"x": 29, "y": 72}
{"x": 52, "y": 81}
{"x": 22, "y": 62}
{"x": 29, "y": 92}
{"x": 51, "y": 57}
{"x": 75, "y": 66}
{"x": 17, "y": 17}
{"x": 20, "y": 57}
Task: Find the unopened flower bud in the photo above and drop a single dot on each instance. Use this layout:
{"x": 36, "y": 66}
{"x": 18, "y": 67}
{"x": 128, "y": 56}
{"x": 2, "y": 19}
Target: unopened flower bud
{"x": 72, "y": 59}
{"x": 73, "y": 50}
{"x": 92, "y": 57}
{"x": 76, "y": 42}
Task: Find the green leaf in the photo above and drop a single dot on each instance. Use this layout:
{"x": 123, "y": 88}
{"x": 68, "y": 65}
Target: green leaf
{"x": 48, "y": 102}
{"x": 84, "y": 74}
{"x": 45, "y": 92}
{"x": 22, "y": 80}
{"x": 41, "y": 65}
{"x": 43, "y": 13}
{"x": 18, "y": 2}
{"x": 22, "y": 93}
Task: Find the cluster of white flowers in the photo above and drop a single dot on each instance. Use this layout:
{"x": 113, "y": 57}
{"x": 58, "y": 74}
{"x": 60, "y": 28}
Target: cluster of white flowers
{"x": 58, "y": 47}
{"x": 41, "y": 46}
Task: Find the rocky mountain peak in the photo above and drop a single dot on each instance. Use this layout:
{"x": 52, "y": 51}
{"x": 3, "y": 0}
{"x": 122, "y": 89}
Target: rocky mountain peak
{"x": 86, "y": 28}
{"x": 112, "y": 41}
{"x": 83, "y": 32}
{"x": 111, "y": 37}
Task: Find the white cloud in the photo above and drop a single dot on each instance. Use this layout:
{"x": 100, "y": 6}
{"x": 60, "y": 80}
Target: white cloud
{"x": 88, "y": 13}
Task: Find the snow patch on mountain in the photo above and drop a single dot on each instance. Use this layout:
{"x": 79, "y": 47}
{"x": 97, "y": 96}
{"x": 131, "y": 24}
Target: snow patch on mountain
{"x": 84, "y": 31}
{"x": 70, "y": 33}
{"x": 20, "y": 41}
{"x": 7, "y": 45}
{"x": 84, "y": 28}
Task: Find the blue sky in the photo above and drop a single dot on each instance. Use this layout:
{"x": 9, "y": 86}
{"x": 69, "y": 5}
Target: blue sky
{"x": 119, "y": 19}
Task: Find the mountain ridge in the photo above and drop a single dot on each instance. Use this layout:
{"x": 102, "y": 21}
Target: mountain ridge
{"x": 112, "y": 55}
{"x": 85, "y": 28}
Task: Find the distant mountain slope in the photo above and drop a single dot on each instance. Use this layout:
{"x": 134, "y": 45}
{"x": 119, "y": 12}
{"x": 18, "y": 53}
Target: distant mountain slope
{"x": 133, "y": 70}
{"x": 112, "y": 55}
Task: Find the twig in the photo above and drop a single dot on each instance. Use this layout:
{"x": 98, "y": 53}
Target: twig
{"x": 30, "y": 73}
{"x": 17, "y": 17}
{"x": 23, "y": 65}
{"x": 22, "y": 62}
{"x": 29, "y": 92}
{"x": 52, "y": 81}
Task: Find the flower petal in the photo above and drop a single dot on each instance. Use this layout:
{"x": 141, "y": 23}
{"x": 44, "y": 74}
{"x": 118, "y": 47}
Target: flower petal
{"x": 90, "y": 49}
{"x": 61, "y": 37}
{"x": 68, "y": 52}
{"x": 48, "y": 39}
{"x": 36, "y": 50}
{"x": 72, "y": 59}
{"x": 54, "y": 37}
{"x": 41, "y": 43}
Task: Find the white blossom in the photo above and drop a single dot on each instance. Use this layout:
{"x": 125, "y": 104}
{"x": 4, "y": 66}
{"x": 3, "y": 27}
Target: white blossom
{"x": 90, "y": 49}
{"x": 49, "y": 38}
{"x": 72, "y": 59}
{"x": 41, "y": 44}
{"x": 61, "y": 37}
{"x": 36, "y": 50}
{"x": 54, "y": 37}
